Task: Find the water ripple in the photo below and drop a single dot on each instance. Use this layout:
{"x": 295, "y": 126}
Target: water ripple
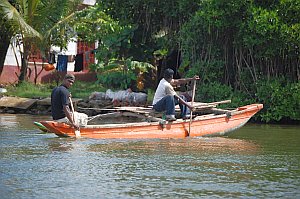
{"x": 35, "y": 165}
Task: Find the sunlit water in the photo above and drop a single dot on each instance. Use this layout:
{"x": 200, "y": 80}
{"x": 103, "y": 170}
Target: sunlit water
{"x": 257, "y": 161}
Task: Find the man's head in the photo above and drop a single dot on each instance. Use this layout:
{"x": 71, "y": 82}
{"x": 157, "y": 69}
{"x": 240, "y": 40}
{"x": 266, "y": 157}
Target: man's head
{"x": 168, "y": 73}
{"x": 69, "y": 80}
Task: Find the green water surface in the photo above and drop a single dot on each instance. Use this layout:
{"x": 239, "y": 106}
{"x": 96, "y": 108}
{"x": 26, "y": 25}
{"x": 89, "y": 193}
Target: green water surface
{"x": 256, "y": 161}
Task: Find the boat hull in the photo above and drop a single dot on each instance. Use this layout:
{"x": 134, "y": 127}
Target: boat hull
{"x": 206, "y": 125}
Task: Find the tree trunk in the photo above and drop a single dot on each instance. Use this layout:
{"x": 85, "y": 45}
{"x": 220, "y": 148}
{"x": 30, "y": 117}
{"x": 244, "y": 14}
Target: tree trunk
{"x": 24, "y": 65}
{"x": 5, "y": 40}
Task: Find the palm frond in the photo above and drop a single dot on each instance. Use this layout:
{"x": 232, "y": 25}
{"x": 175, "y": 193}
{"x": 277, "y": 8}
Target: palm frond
{"x": 64, "y": 20}
{"x": 16, "y": 21}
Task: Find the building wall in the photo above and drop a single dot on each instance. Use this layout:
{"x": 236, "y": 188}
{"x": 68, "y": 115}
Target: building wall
{"x": 13, "y": 57}
{"x": 13, "y": 63}
{"x": 87, "y": 49}
{"x": 9, "y": 75}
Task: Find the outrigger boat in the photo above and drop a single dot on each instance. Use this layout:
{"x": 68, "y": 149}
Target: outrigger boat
{"x": 215, "y": 122}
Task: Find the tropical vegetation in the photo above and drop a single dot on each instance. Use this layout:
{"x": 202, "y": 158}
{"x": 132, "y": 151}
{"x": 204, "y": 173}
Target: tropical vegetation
{"x": 35, "y": 25}
{"x": 244, "y": 50}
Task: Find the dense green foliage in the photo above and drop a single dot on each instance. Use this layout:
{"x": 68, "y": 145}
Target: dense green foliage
{"x": 123, "y": 74}
{"x": 117, "y": 68}
{"x": 246, "y": 50}
{"x": 281, "y": 99}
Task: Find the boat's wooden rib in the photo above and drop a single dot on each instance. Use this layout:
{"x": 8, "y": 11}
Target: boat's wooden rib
{"x": 204, "y": 125}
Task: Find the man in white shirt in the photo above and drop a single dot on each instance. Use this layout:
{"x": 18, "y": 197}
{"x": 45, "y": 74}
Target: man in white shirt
{"x": 166, "y": 98}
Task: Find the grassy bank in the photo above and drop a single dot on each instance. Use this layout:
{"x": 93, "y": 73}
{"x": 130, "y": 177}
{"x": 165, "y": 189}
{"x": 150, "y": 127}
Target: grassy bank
{"x": 79, "y": 90}
{"x": 30, "y": 90}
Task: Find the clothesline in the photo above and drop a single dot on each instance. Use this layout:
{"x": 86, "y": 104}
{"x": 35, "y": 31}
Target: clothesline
{"x": 62, "y": 60}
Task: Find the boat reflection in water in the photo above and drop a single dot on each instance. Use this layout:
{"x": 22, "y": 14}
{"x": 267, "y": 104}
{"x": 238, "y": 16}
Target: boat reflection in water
{"x": 188, "y": 146}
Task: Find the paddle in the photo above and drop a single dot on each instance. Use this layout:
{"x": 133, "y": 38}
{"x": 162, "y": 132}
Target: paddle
{"x": 193, "y": 97}
{"x": 77, "y": 132}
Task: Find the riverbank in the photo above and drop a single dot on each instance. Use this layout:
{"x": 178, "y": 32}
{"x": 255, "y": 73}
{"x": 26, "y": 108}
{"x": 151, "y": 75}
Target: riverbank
{"x": 42, "y": 106}
{"x": 22, "y": 100}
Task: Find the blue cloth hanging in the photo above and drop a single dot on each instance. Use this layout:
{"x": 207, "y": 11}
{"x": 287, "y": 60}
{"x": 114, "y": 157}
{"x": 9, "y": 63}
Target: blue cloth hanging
{"x": 62, "y": 63}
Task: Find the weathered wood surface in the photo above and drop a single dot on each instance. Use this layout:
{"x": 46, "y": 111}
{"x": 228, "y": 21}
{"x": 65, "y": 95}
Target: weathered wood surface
{"x": 17, "y": 102}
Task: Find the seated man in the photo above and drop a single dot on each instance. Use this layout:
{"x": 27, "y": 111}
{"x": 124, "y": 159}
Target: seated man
{"x": 165, "y": 97}
{"x": 60, "y": 101}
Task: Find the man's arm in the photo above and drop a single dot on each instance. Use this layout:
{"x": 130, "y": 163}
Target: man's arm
{"x": 176, "y": 82}
{"x": 69, "y": 116}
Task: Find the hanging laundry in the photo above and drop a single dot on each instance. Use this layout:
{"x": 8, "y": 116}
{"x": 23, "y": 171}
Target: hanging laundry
{"x": 62, "y": 63}
{"x": 78, "y": 62}
{"x": 51, "y": 59}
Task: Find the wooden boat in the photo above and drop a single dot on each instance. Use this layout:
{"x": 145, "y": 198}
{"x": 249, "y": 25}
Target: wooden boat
{"x": 218, "y": 124}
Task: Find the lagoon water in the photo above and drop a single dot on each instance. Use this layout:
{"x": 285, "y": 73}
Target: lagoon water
{"x": 256, "y": 161}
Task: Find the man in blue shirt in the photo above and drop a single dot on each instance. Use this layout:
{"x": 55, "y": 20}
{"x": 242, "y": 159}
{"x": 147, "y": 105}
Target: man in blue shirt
{"x": 60, "y": 102}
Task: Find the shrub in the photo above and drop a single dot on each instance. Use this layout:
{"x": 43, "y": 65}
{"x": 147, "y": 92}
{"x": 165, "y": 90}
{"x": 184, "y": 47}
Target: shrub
{"x": 213, "y": 91}
{"x": 281, "y": 99}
